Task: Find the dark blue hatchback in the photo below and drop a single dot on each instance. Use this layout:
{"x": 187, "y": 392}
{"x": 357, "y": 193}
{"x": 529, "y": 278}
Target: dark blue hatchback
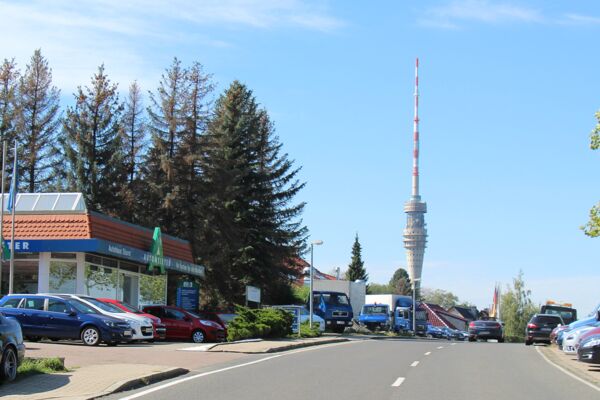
{"x": 57, "y": 317}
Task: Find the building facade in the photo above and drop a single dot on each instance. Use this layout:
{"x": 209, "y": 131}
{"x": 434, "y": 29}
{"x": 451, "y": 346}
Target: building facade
{"x": 61, "y": 247}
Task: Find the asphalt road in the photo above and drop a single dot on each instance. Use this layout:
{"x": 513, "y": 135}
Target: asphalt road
{"x": 381, "y": 369}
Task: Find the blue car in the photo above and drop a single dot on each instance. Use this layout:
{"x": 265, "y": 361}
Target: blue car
{"x": 57, "y": 317}
{"x": 435, "y": 332}
{"x": 573, "y": 325}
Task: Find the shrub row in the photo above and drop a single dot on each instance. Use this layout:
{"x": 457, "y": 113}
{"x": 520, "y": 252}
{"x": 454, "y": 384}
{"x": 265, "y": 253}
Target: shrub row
{"x": 259, "y": 323}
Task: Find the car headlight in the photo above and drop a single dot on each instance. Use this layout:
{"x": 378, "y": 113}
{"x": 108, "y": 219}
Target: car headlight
{"x": 591, "y": 343}
{"x": 110, "y": 323}
{"x": 147, "y": 321}
{"x": 158, "y": 321}
{"x": 210, "y": 323}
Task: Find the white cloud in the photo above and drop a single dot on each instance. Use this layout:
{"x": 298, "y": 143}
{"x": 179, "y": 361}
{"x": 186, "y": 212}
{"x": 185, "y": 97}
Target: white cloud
{"x": 451, "y": 15}
{"x": 578, "y": 19}
{"x": 77, "y": 36}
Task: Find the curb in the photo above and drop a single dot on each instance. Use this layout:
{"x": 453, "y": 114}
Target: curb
{"x": 124, "y": 385}
{"x": 276, "y": 349}
{"x": 548, "y": 354}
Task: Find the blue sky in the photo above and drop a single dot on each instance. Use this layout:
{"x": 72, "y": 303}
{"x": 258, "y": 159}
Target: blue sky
{"x": 508, "y": 95}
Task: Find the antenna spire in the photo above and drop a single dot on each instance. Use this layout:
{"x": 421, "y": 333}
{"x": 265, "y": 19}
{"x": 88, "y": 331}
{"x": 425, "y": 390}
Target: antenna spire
{"x": 415, "y": 179}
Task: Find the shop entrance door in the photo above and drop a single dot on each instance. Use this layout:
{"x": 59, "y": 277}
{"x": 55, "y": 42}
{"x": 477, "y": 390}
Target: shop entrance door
{"x": 130, "y": 288}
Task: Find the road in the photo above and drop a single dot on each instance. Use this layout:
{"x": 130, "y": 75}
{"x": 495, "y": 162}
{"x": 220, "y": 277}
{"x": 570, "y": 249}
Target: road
{"x": 380, "y": 369}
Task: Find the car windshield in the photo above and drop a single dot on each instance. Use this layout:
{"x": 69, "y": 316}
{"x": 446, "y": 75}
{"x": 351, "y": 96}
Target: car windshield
{"x": 130, "y": 308}
{"x": 104, "y": 306}
{"x": 81, "y": 307}
{"x": 548, "y": 319}
{"x": 375, "y": 310}
{"x": 335, "y": 299}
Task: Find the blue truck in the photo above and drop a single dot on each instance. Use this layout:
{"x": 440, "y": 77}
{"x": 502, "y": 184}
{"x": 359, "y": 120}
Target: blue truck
{"x": 375, "y": 317}
{"x": 334, "y": 308}
{"x": 401, "y": 312}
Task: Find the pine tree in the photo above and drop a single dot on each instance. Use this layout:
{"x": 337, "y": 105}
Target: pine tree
{"x": 93, "y": 144}
{"x": 356, "y": 269}
{"x": 134, "y": 141}
{"x": 9, "y": 79}
{"x": 166, "y": 123}
{"x": 38, "y": 124}
{"x": 250, "y": 230}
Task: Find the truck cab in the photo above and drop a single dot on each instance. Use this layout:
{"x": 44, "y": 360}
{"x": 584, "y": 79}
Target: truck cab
{"x": 403, "y": 317}
{"x": 375, "y": 316}
{"x": 334, "y": 308}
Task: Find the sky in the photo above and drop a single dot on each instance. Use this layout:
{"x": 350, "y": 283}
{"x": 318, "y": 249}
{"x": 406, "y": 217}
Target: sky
{"x": 508, "y": 95}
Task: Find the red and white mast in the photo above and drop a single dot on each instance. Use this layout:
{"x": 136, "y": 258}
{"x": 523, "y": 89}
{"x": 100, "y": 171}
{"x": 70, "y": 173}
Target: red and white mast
{"x": 415, "y": 179}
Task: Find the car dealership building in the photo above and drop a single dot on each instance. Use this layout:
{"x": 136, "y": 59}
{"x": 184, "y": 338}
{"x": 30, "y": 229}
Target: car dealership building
{"x": 61, "y": 247}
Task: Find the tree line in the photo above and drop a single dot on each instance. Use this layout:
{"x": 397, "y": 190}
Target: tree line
{"x": 211, "y": 172}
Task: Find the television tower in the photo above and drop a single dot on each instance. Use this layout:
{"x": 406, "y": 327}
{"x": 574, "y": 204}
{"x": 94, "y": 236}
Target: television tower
{"x": 415, "y": 233}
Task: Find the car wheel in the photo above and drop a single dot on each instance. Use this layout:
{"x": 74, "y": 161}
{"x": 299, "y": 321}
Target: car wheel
{"x": 528, "y": 343}
{"x": 198, "y": 336}
{"x": 90, "y": 336}
{"x": 8, "y": 367}
{"x": 501, "y": 340}
{"x": 471, "y": 339}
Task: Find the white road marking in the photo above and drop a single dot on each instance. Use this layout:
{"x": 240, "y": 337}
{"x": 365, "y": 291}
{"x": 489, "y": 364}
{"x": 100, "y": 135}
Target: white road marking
{"x": 414, "y": 364}
{"x": 565, "y": 371}
{"x": 440, "y": 347}
{"x": 398, "y": 382}
{"x": 453, "y": 344}
{"x": 428, "y": 353}
{"x": 189, "y": 378}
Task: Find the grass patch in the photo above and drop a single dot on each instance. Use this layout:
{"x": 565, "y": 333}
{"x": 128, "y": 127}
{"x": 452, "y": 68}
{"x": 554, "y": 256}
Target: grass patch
{"x": 32, "y": 366}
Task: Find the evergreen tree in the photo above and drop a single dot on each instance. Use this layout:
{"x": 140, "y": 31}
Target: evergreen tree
{"x": 134, "y": 140}
{"x": 9, "y": 79}
{"x": 356, "y": 269}
{"x": 167, "y": 122}
{"x": 93, "y": 143}
{"x": 38, "y": 123}
{"x": 249, "y": 227}
{"x": 400, "y": 283}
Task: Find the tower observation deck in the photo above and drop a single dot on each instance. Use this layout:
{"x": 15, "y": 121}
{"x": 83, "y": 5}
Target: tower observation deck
{"x": 415, "y": 233}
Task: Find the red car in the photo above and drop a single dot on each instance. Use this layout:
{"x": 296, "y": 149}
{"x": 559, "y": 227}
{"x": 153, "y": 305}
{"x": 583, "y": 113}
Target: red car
{"x": 160, "y": 329}
{"x": 182, "y": 324}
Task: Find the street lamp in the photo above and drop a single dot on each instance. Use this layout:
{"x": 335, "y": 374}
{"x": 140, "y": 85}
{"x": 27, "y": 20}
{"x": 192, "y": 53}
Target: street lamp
{"x": 310, "y": 300}
{"x": 414, "y": 289}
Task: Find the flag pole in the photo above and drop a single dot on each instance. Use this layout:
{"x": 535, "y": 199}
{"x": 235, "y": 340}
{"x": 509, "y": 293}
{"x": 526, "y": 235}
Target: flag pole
{"x": 2, "y": 211}
{"x": 12, "y": 236}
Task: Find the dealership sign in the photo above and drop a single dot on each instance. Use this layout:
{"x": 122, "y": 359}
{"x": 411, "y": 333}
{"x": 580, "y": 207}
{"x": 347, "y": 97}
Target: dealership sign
{"x": 108, "y": 248}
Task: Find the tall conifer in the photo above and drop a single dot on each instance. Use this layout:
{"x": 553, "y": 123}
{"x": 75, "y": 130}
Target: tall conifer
{"x": 38, "y": 124}
{"x": 356, "y": 269}
{"x": 9, "y": 79}
{"x": 93, "y": 143}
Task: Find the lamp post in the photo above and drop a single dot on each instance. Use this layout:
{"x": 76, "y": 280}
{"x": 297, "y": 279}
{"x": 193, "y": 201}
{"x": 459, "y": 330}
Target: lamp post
{"x": 414, "y": 311}
{"x": 310, "y": 299}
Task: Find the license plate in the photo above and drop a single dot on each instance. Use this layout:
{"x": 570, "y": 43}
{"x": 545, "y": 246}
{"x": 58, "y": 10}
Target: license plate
{"x": 126, "y": 333}
{"x": 484, "y": 333}
{"x": 546, "y": 329}
{"x": 341, "y": 322}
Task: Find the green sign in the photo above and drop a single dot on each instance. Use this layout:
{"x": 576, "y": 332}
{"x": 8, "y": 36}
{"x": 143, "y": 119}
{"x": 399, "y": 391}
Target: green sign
{"x": 156, "y": 259}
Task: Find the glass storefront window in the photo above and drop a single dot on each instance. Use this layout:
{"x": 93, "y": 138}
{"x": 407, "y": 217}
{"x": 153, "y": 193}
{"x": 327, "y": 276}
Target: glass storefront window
{"x": 63, "y": 277}
{"x": 152, "y": 289}
{"x": 100, "y": 281}
{"x": 25, "y": 278}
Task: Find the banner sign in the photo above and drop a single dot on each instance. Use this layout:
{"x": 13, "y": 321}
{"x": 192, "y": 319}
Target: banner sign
{"x": 187, "y": 296}
{"x": 107, "y": 248}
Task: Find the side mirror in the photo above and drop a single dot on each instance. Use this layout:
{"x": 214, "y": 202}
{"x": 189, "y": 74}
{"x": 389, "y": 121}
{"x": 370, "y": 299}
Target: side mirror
{"x": 71, "y": 313}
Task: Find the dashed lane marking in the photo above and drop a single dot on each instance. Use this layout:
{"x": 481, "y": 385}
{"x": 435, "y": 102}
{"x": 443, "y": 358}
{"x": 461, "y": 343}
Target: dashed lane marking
{"x": 428, "y": 353}
{"x": 440, "y": 347}
{"x": 414, "y": 364}
{"x": 398, "y": 382}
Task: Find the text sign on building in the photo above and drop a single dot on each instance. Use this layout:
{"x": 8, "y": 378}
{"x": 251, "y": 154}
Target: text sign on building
{"x": 252, "y": 294}
{"x": 187, "y": 296}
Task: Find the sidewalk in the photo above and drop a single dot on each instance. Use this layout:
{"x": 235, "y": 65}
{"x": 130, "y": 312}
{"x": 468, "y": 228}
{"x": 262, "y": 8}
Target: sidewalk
{"x": 272, "y": 346}
{"x": 585, "y": 371}
{"x": 87, "y": 382}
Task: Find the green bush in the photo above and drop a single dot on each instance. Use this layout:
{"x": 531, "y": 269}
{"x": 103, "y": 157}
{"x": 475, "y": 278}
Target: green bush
{"x": 31, "y": 366}
{"x": 306, "y": 331}
{"x": 260, "y": 323}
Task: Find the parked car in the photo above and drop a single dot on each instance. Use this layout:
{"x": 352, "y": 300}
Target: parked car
{"x": 160, "y": 330}
{"x": 11, "y": 346}
{"x": 540, "y": 326}
{"x": 60, "y": 317}
{"x": 226, "y": 318}
{"x": 573, "y": 325}
{"x": 182, "y": 324}
{"x": 589, "y": 349}
{"x": 434, "y": 332}
{"x": 572, "y": 338}
{"x": 211, "y": 316}
{"x": 485, "y": 329}
{"x": 141, "y": 327}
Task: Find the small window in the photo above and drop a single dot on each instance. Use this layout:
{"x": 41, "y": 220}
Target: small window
{"x": 34, "y": 303}
{"x": 57, "y": 306}
{"x": 64, "y": 256}
{"x": 157, "y": 312}
{"x": 174, "y": 314}
{"x": 12, "y": 302}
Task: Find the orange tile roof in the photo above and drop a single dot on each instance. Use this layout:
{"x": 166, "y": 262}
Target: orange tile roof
{"x": 92, "y": 226}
